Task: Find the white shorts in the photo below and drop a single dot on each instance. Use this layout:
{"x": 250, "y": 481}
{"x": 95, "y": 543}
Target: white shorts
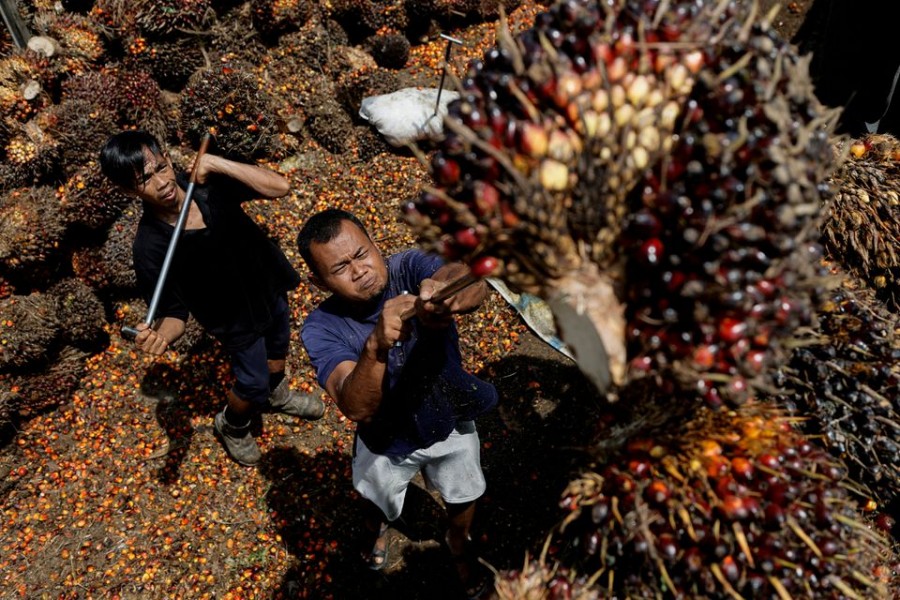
{"x": 452, "y": 467}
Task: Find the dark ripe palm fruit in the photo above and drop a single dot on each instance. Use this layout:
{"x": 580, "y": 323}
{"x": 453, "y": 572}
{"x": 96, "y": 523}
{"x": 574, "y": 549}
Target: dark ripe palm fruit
{"x": 88, "y": 200}
{"x": 140, "y": 101}
{"x": 82, "y": 313}
{"x": 844, "y": 380}
{"x": 562, "y": 120}
{"x": 693, "y": 524}
{"x": 171, "y": 62}
{"x": 80, "y": 127}
{"x": 273, "y": 18}
{"x": 229, "y": 99}
{"x": 43, "y": 390}
{"x": 31, "y": 233}
{"x": 721, "y": 246}
{"x": 861, "y": 230}
{"x": 537, "y": 580}
{"x": 108, "y": 267}
{"x": 162, "y": 18}
{"x": 28, "y": 331}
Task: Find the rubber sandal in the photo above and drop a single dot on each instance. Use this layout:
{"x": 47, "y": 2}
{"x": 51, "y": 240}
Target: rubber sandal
{"x": 377, "y": 559}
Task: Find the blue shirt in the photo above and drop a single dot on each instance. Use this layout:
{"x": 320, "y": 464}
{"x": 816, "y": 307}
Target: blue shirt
{"x": 427, "y": 390}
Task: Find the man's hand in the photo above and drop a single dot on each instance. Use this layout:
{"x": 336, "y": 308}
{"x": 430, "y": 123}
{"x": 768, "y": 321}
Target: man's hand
{"x": 391, "y": 326}
{"x": 433, "y": 314}
{"x": 150, "y": 341}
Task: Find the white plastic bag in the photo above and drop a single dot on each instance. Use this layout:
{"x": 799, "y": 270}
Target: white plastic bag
{"x": 407, "y": 115}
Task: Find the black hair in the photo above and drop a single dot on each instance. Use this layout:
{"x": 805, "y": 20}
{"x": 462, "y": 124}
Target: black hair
{"x": 321, "y": 228}
{"x": 122, "y": 157}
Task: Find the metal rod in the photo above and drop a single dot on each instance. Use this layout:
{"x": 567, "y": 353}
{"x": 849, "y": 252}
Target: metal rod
{"x": 18, "y": 31}
{"x": 449, "y": 290}
{"x": 130, "y": 333}
{"x": 450, "y": 42}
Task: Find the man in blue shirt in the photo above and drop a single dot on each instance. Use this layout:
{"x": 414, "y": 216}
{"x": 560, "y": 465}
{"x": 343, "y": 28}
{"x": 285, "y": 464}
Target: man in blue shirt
{"x": 391, "y": 360}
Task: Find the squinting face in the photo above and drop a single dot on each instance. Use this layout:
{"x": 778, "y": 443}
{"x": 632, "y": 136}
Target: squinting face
{"x": 350, "y": 265}
{"x": 156, "y": 185}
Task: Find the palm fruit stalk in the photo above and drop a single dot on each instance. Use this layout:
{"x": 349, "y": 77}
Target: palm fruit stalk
{"x": 845, "y": 378}
{"x": 724, "y": 504}
{"x": 543, "y": 580}
{"x": 861, "y": 230}
{"x": 675, "y": 148}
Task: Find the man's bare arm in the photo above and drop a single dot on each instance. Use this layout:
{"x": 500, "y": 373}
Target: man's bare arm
{"x": 358, "y": 387}
{"x": 265, "y": 182}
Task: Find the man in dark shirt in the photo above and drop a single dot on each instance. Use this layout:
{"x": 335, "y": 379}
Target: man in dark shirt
{"x": 225, "y": 272}
{"x": 391, "y": 360}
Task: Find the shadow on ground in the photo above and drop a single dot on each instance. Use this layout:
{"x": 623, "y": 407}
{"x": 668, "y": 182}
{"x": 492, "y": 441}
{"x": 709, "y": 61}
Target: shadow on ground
{"x": 530, "y": 447}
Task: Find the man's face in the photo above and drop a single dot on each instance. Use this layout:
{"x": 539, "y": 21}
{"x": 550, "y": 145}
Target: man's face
{"x": 156, "y": 185}
{"x": 350, "y": 265}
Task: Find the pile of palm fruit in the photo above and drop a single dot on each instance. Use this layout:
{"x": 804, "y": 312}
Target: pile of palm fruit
{"x": 269, "y": 76}
{"x": 671, "y": 155}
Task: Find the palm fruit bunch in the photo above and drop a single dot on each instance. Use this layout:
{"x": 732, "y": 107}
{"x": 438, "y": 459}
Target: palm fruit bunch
{"x": 81, "y": 311}
{"x": 361, "y": 18}
{"x": 273, "y": 18}
{"x": 390, "y": 50}
{"x": 80, "y": 127}
{"x": 88, "y": 200}
{"x": 845, "y": 376}
{"x": 228, "y": 98}
{"x": 29, "y": 331}
{"x": 722, "y": 504}
{"x": 132, "y": 95}
{"x": 328, "y": 123}
{"x": 21, "y": 93}
{"x": 676, "y": 147}
{"x": 861, "y": 230}
{"x": 39, "y": 391}
{"x": 171, "y": 62}
{"x": 540, "y": 581}
{"x": 31, "y": 233}
{"x": 32, "y": 157}
{"x": 79, "y": 46}
{"x": 160, "y": 18}
{"x": 108, "y": 266}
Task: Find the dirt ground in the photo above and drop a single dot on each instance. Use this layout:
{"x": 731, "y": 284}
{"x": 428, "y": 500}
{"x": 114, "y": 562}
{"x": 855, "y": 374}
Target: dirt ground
{"x": 125, "y": 493}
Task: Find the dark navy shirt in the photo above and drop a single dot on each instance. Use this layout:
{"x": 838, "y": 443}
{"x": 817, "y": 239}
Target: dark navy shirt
{"x": 427, "y": 391}
{"x": 229, "y": 274}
